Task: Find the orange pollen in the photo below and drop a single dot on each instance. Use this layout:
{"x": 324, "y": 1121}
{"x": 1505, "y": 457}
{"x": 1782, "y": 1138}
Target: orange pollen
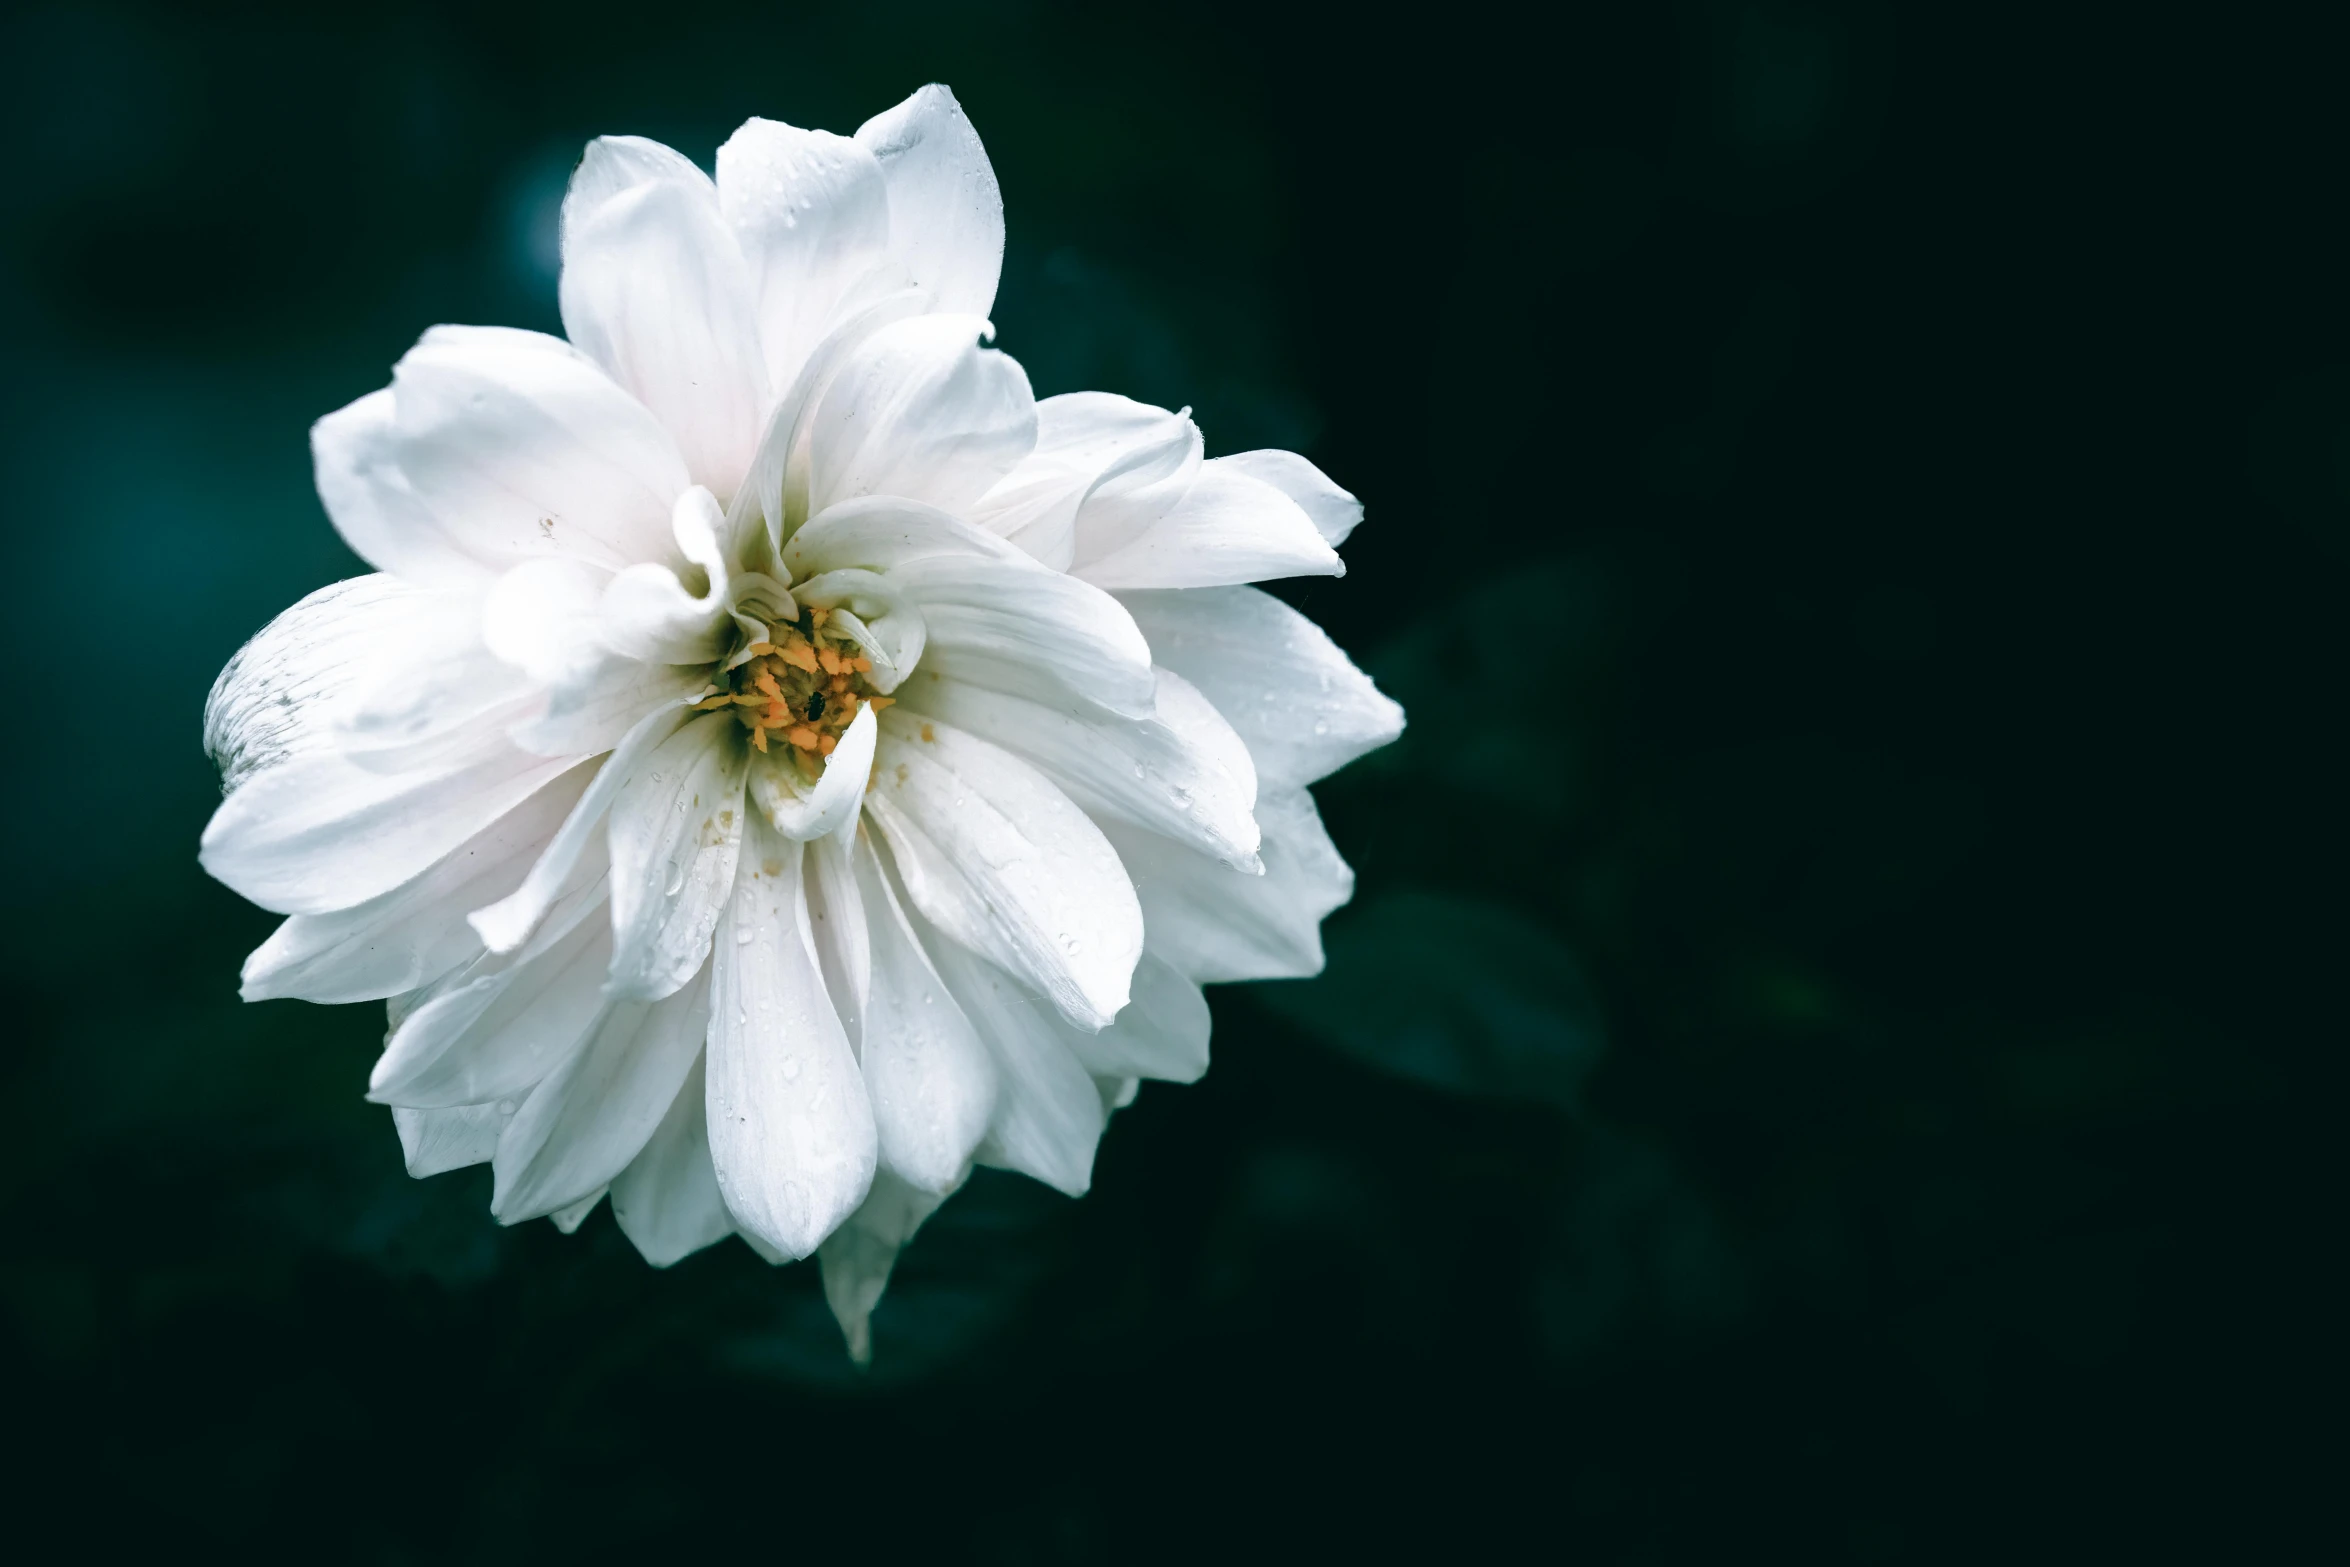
{"x": 801, "y": 687}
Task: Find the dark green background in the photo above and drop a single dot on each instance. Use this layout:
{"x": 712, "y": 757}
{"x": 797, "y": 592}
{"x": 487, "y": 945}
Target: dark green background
{"x": 1820, "y": 1066}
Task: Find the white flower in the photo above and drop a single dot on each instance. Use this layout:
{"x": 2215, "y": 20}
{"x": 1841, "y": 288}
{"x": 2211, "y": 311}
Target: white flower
{"x": 778, "y": 762}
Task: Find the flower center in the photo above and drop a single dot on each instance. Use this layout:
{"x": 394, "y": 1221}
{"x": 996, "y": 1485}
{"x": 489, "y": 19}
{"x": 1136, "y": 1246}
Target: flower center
{"x": 797, "y": 693}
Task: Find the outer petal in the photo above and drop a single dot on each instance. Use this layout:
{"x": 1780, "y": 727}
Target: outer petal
{"x": 677, "y": 830}
{"x": 1104, "y": 466}
{"x": 1004, "y": 863}
{"x": 655, "y": 289}
{"x": 1299, "y": 702}
{"x": 433, "y": 1142}
{"x": 812, "y": 214}
{"x": 416, "y": 932}
{"x": 791, "y": 1130}
{"x": 1334, "y": 511}
{"x": 354, "y": 454}
{"x": 1183, "y": 772}
{"x": 1048, "y": 1118}
{"x": 667, "y": 1200}
{"x": 1162, "y": 1034}
{"x": 1230, "y": 528}
{"x": 316, "y": 833}
{"x": 921, "y": 410}
{"x": 931, "y": 1079}
{"x": 1214, "y": 924}
{"x": 279, "y": 696}
{"x": 495, "y": 1036}
{"x": 859, "y": 1255}
{"x": 589, "y": 1118}
{"x": 524, "y": 447}
{"x": 946, "y": 216}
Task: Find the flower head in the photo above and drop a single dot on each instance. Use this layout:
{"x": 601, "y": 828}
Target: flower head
{"x": 778, "y": 762}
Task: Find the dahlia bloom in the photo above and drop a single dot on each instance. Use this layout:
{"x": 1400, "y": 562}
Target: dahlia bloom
{"x": 778, "y": 762}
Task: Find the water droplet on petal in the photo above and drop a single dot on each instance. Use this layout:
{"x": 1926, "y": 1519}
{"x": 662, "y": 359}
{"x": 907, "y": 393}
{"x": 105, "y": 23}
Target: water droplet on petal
{"x": 1321, "y": 726}
{"x": 505, "y": 1107}
{"x": 742, "y": 935}
{"x": 791, "y": 1069}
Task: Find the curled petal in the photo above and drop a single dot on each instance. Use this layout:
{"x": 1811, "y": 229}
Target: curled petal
{"x": 1228, "y": 528}
{"x": 800, "y": 811}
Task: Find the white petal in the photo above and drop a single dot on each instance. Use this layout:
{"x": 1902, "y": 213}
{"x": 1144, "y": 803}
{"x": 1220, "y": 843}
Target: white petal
{"x": 495, "y": 1036}
{"x": 858, "y": 1256}
{"x": 931, "y": 1079}
{"x": 946, "y": 216}
{"x": 354, "y": 454}
{"x": 508, "y": 923}
{"x": 921, "y": 410}
{"x": 1004, "y": 863}
{"x": 1013, "y": 626}
{"x": 280, "y": 695}
{"x": 1183, "y": 773}
{"x": 780, "y": 469}
{"x": 1215, "y": 924}
{"x": 588, "y": 1119}
{"x": 879, "y": 533}
{"x": 525, "y": 448}
{"x": 1104, "y": 467}
{"x": 1163, "y": 1033}
{"x": 316, "y": 833}
{"x": 837, "y": 928}
{"x": 677, "y": 832}
{"x": 568, "y": 1220}
{"x": 1334, "y": 511}
{"x": 790, "y": 1128}
{"x": 648, "y": 614}
{"x": 1229, "y": 528}
{"x": 667, "y": 1200}
{"x": 1299, "y": 702}
{"x": 800, "y": 811}
{"x": 435, "y": 694}
{"x": 811, "y": 212}
{"x": 594, "y": 710}
{"x": 1048, "y": 1119}
{"x": 416, "y": 932}
{"x": 655, "y": 289}
{"x": 433, "y": 1142}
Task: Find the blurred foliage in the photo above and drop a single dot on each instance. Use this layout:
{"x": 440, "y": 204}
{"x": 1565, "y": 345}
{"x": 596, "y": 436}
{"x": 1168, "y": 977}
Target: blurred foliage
{"x": 1855, "y": 518}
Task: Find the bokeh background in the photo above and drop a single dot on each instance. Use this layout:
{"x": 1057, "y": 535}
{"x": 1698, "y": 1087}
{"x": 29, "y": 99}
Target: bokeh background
{"x": 1824, "y": 1062}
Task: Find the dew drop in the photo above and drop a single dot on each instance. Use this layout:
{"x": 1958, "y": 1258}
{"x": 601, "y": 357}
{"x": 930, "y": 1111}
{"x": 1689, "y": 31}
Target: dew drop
{"x": 791, "y": 1069}
{"x": 676, "y": 879}
{"x": 505, "y": 1107}
{"x": 742, "y": 935}
{"x": 1071, "y": 945}
{"x": 1321, "y": 726}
